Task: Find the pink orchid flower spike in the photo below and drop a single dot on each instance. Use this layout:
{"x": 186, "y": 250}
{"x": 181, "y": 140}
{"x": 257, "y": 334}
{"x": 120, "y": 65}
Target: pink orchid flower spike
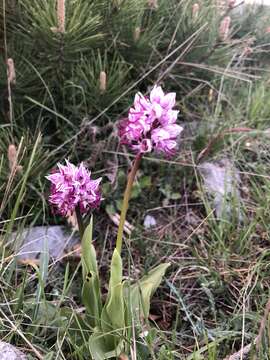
{"x": 72, "y": 187}
{"x": 151, "y": 124}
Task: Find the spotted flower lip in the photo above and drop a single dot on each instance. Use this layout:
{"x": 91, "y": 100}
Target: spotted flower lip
{"x": 151, "y": 123}
{"x": 71, "y": 187}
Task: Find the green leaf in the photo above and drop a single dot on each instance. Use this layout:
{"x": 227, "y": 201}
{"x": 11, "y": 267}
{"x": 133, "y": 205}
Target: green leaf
{"x": 175, "y": 196}
{"x": 99, "y": 349}
{"x": 91, "y": 286}
{"x": 145, "y": 181}
{"x": 119, "y": 204}
{"x": 110, "y": 209}
{"x": 46, "y": 315}
{"x": 113, "y": 313}
{"x": 136, "y": 191}
{"x": 138, "y": 295}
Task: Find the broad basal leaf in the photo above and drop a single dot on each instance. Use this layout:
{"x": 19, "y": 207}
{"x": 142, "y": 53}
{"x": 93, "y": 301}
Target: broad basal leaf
{"x": 99, "y": 349}
{"x": 138, "y": 295}
{"x": 113, "y": 313}
{"x": 91, "y": 285}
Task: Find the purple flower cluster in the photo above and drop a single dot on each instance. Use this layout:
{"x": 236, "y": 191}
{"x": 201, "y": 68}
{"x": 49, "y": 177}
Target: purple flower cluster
{"x": 72, "y": 186}
{"x": 151, "y": 123}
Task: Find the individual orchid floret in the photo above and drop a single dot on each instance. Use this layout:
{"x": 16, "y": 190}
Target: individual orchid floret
{"x": 151, "y": 123}
{"x": 72, "y": 187}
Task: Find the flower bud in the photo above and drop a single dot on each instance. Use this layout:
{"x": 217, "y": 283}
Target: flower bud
{"x": 102, "y": 81}
{"x": 12, "y": 156}
{"x": 195, "y": 11}
{"x": 224, "y": 28}
{"x": 137, "y": 33}
{"x": 210, "y": 95}
{"x": 13, "y": 159}
{"x": 11, "y": 71}
{"x": 61, "y": 15}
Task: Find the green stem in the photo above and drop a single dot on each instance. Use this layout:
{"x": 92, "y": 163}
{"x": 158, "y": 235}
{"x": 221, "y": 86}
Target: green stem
{"x": 130, "y": 181}
{"x": 79, "y": 221}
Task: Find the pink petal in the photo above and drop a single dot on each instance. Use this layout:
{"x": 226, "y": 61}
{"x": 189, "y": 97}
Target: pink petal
{"x": 169, "y": 117}
{"x": 174, "y": 129}
{"x": 156, "y": 94}
{"x": 168, "y": 101}
{"x": 157, "y": 110}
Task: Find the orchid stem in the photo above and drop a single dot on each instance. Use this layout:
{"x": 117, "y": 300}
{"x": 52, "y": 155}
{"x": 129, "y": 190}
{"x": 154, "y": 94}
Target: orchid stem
{"x": 124, "y": 209}
{"x": 79, "y": 221}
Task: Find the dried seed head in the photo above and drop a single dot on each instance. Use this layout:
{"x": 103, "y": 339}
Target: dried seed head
{"x": 102, "y": 81}
{"x": 11, "y": 71}
{"x": 224, "y": 28}
{"x": 195, "y": 11}
{"x": 137, "y": 33}
{"x": 61, "y": 15}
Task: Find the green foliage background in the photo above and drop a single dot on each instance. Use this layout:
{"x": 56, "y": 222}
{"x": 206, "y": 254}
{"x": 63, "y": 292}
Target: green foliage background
{"x": 137, "y": 43}
{"x": 60, "y": 111}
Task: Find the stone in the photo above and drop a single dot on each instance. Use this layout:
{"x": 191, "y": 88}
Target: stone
{"x": 149, "y": 222}
{"x": 9, "y": 352}
{"x": 221, "y": 181}
{"x": 59, "y": 240}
